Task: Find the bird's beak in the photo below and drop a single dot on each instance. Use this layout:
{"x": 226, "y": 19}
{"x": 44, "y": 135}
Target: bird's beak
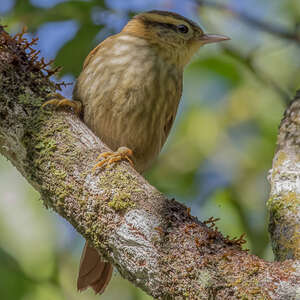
{"x": 212, "y": 38}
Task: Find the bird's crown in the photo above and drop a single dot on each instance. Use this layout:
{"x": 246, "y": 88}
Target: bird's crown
{"x": 177, "y": 37}
{"x": 170, "y": 20}
{"x": 161, "y": 24}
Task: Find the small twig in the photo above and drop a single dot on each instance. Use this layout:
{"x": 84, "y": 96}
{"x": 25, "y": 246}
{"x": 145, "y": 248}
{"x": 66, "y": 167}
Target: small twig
{"x": 247, "y": 60}
{"x": 254, "y": 22}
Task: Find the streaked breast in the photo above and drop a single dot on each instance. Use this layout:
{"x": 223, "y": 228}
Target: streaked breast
{"x": 129, "y": 93}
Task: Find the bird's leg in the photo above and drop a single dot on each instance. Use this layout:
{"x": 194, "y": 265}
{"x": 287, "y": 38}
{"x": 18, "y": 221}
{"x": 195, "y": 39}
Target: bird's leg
{"x": 108, "y": 158}
{"x": 58, "y": 100}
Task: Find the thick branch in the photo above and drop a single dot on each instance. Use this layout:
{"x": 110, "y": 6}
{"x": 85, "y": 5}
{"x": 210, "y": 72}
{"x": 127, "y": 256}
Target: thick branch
{"x": 153, "y": 241}
{"x": 284, "y": 202}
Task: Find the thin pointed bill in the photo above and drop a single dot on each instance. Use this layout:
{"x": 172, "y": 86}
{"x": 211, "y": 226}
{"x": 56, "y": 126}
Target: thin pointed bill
{"x": 213, "y": 38}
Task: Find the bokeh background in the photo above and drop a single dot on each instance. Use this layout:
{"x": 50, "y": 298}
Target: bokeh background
{"x": 219, "y": 152}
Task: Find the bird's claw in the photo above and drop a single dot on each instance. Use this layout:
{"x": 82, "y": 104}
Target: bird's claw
{"x": 109, "y": 158}
{"x": 58, "y": 100}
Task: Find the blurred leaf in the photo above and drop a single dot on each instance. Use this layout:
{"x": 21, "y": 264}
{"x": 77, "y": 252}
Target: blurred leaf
{"x": 174, "y": 182}
{"x": 33, "y": 17}
{"x": 73, "y": 53}
{"x": 24, "y": 7}
{"x": 220, "y": 66}
{"x": 14, "y": 283}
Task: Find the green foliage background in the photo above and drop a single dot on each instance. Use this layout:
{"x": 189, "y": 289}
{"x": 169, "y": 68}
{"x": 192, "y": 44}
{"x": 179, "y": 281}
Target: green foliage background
{"x": 216, "y": 159}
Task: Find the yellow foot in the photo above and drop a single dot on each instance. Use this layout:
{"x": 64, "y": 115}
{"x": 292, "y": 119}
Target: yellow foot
{"x": 59, "y": 101}
{"x": 111, "y": 157}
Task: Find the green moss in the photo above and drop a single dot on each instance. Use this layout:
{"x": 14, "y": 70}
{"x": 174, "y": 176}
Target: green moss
{"x": 280, "y": 159}
{"x": 40, "y": 141}
{"x": 60, "y": 174}
{"x": 117, "y": 178}
{"x": 121, "y": 201}
{"x": 282, "y": 208}
{"x": 288, "y": 201}
{"x": 27, "y": 99}
{"x": 292, "y": 200}
{"x": 48, "y": 145}
{"x": 275, "y": 206}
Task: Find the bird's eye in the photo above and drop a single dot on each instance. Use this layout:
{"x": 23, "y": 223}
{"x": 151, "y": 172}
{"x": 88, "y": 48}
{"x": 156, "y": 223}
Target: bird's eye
{"x": 183, "y": 28}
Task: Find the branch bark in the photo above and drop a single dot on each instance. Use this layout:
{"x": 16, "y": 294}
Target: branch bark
{"x": 153, "y": 241}
{"x": 284, "y": 202}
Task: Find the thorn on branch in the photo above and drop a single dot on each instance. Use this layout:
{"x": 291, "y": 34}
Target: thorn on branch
{"x": 62, "y": 84}
{"x": 236, "y": 241}
{"x": 34, "y": 55}
{"x": 19, "y": 37}
{"x": 211, "y": 222}
{"x": 35, "y": 63}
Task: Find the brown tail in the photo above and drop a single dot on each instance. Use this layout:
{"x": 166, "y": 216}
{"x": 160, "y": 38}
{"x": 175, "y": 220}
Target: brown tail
{"x": 92, "y": 271}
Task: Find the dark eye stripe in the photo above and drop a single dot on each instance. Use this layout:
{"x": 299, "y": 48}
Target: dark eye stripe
{"x": 167, "y": 25}
{"x": 164, "y": 25}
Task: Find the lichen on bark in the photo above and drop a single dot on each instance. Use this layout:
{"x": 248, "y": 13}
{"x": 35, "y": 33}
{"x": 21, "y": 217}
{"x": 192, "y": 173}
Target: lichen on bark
{"x": 284, "y": 201}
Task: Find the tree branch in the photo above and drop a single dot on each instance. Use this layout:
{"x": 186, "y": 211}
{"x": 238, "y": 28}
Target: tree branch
{"x": 284, "y": 202}
{"x": 153, "y": 241}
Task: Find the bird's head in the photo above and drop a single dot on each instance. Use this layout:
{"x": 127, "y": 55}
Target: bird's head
{"x": 176, "y": 37}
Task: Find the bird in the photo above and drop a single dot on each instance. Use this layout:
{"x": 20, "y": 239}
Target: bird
{"x": 128, "y": 93}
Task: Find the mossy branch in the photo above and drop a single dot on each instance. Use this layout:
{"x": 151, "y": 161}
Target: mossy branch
{"x": 284, "y": 202}
{"x": 153, "y": 241}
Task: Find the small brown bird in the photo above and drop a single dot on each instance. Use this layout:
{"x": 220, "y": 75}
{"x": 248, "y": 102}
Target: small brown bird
{"x": 129, "y": 88}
